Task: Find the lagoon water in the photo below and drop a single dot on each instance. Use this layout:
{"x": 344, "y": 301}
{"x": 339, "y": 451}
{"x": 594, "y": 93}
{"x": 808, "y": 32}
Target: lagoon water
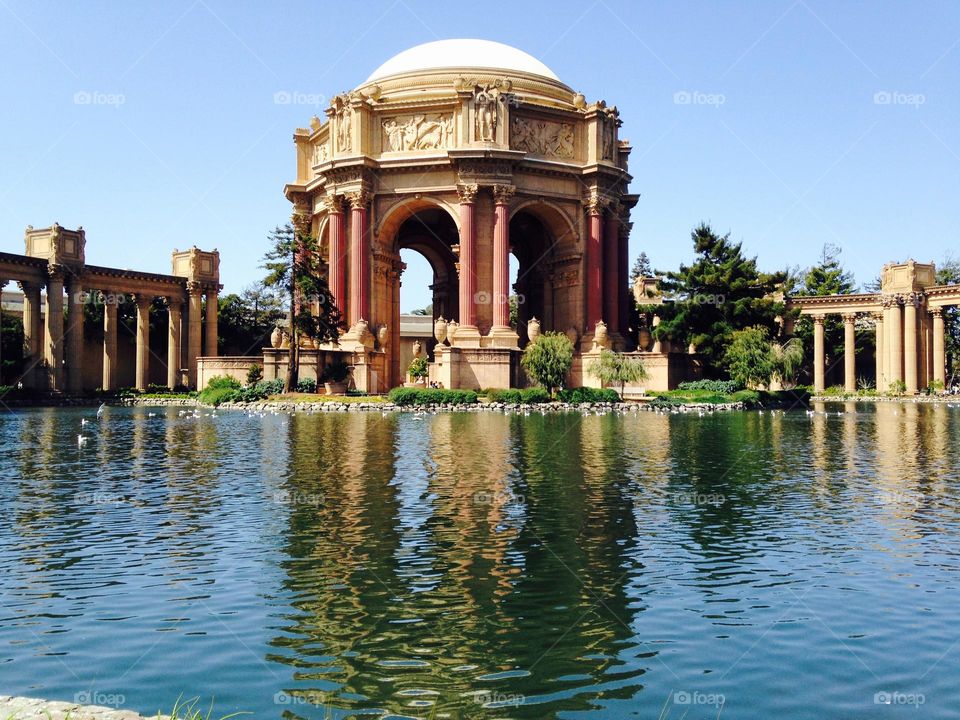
{"x": 746, "y": 565}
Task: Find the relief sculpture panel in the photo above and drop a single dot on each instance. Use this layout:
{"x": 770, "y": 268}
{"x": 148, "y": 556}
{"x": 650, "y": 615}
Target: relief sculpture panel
{"x": 542, "y": 137}
{"x": 417, "y": 132}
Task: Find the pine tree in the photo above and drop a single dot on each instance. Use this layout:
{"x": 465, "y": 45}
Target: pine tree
{"x": 294, "y": 268}
{"x": 641, "y": 268}
{"x": 722, "y": 291}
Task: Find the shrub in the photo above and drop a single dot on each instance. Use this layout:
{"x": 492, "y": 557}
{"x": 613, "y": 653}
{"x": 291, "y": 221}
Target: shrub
{"x": 527, "y": 396}
{"x": 335, "y": 372}
{"x": 418, "y": 368}
{"x": 307, "y": 385}
{"x": 548, "y": 360}
{"x": 613, "y": 368}
{"x": 218, "y": 382}
{"x": 254, "y": 374}
{"x": 897, "y": 387}
{"x": 725, "y": 387}
{"x": 750, "y": 357}
{"x": 584, "y": 395}
{"x": 429, "y": 396}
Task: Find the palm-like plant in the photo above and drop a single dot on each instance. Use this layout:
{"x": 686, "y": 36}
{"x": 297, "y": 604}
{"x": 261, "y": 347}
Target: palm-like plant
{"x": 787, "y": 360}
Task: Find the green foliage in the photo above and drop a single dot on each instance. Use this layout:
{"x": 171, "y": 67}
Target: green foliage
{"x": 586, "y": 395}
{"x": 418, "y": 368}
{"x": 641, "y": 268}
{"x": 307, "y": 385}
{"x": 613, "y": 368}
{"x": 934, "y": 387}
{"x": 428, "y": 311}
{"x": 11, "y": 337}
{"x": 722, "y": 291}
{"x": 897, "y": 387}
{"x": 787, "y": 360}
{"x": 336, "y": 372}
{"x": 548, "y": 360}
{"x": 254, "y": 374}
{"x": 218, "y": 382}
{"x": 430, "y": 396}
{"x": 749, "y": 358}
{"x": 220, "y": 389}
{"x": 948, "y": 273}
{"x": 294, "y": 268}
{"x": 724, "y": 387}
{"x": 527, "y": 396}
{"x": 827, "y": 277}
{"x": 245, "y": 321}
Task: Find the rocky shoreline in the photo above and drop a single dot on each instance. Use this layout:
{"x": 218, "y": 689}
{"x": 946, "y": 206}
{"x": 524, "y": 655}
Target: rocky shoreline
{"x": 24, "y": 708}
{"x": 332, "y": 406}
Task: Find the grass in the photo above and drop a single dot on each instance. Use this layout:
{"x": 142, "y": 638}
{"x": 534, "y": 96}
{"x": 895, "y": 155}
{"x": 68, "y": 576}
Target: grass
{"x": 189, "y": 710}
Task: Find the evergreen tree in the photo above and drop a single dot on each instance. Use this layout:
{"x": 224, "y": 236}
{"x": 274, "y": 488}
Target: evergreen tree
{"x": 294, "y": 268}
{"x": 828, "y": 277}
{"x": 948, "y": 273}
{"x": 641, "y": 268}
{"x": 722, "y": 291}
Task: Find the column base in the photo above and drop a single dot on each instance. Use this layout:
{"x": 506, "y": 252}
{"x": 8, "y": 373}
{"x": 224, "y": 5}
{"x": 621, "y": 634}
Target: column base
{"x": 503, "y": 336}
{"x": 467, "y": 336}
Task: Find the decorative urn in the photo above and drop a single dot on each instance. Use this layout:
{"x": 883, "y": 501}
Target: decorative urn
{"x": 533, "y": 329}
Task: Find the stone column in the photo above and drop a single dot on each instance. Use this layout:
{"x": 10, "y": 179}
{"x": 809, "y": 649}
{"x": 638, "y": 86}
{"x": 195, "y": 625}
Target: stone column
{"x": 74, "y": 333}
{"x": 910, "y": 331}
{"x": 939, "y": 346}
{"x": 849, "y": 353}
{"x": 895, "y": 341}
{"x": 53, "y": 344}
{"x": 468, "y": 250}
{"x": 210, "y": 347}
{"x": 878, "y": 354}
{"x": 611, "y": 271}
{"x": 626, "y": 296}
{"x": 143, "y": 342}
{"x": 109, "y": 380}
{"x": 594, "y": 281}
{"x": 818, "y": 354}
{"x": 174, "y": 313}
{"x": 501, "y": 257}
{"x": 337, "y": 254}
{"x": 32, "y": 331}
{"x": 194, "y": 330}
{"x": 359, "y": 259}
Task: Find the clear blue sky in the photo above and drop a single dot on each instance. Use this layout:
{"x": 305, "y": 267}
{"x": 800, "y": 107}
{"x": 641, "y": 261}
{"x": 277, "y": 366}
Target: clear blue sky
{"x": 799, "y": 152}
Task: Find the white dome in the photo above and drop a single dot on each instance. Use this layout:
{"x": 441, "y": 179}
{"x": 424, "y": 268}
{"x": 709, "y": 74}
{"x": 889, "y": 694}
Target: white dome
{"x": 444, "y": 54}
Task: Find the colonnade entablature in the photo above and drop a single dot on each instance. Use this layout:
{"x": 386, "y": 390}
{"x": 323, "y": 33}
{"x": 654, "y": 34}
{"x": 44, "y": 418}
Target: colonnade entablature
{"x": 907, "y": 314}
{"x": 468, "y": 165}
{"x": 54, "y": 262}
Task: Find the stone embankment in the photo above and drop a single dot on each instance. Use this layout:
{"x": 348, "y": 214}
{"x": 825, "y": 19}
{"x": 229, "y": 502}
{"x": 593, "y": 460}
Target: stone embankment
{"x": 23, "y": 708}
{"x": 327, "y": 406}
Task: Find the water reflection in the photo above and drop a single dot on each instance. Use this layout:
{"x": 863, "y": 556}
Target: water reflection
{"x": 482, "y": 565}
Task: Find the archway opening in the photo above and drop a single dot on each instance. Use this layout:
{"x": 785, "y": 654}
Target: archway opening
{"x": 531, "y": 248}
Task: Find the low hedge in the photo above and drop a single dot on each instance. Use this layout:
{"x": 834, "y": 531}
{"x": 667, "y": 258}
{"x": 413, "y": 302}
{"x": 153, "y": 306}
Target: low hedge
{"x": 527, "y": 396}
{"x": 430, "y": 396}
{"x": 722, "y": 387}
{"x": 585, "y": 395}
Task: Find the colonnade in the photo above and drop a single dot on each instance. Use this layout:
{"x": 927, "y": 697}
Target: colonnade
{"x": 910, "y": 344}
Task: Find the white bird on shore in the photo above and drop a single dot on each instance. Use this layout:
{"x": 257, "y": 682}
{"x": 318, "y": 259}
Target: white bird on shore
{"x": 83, "y": 421}
{"x": 81, "y": 440}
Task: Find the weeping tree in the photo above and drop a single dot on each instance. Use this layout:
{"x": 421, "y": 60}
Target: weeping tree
{"x": 613, "y": 368}
{"x": 294, "y": 269}
{"x": 548, "y": 360}
{"x": 787, "y": 361}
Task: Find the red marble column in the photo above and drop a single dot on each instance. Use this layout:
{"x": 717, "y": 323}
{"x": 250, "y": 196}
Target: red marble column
{"x": 611, "y": 271}
{"x": 468, "y": 270}
{"x": 626, "y": 295}
{"x": 359, "y": 259}
{"x": 594, "y": 250}
{"x": 501, "y": 256}
{"x": 338, "y": 255}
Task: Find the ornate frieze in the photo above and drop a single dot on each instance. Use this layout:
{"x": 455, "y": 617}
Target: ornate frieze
{"x": 547, "y": 138}
{"x": 417, "y": 132}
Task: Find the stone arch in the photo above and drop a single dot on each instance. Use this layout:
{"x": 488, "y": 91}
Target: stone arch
{"x": 552, "y": 215}
{"x": 403, "y": 209}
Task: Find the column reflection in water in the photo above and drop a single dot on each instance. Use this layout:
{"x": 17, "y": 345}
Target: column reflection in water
{"x": 456, "y": 570}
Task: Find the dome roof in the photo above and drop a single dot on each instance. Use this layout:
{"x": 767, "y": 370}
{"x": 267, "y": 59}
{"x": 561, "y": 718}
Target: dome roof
{"x": 449, "y": 54}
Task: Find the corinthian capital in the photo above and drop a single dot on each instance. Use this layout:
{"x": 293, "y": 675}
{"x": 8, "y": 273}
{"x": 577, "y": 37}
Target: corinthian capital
{"x": 596, "y": 203}
{"x": 332, "y": 204}
{"x": 467, "y": 193}
{"x": 503, "y": 194}
{"x": 358, "y": 199}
